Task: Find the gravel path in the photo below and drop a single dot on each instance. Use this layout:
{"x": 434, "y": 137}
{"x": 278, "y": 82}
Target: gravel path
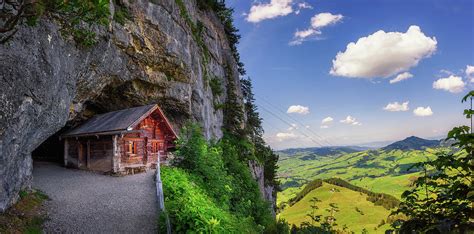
{"x": 86, "y": 202}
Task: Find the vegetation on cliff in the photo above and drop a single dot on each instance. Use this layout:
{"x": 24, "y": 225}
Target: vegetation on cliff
{"x": 216, "y": 174}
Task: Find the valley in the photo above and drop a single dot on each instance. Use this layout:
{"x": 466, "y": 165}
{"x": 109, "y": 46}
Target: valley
{"x": 385, "y": 170}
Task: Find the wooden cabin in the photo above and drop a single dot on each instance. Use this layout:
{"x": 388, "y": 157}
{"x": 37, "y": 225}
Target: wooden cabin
{"x": 120, "y": 141}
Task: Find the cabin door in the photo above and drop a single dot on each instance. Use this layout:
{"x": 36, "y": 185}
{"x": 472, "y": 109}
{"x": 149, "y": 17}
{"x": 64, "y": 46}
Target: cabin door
{"x": 82, "y": 157}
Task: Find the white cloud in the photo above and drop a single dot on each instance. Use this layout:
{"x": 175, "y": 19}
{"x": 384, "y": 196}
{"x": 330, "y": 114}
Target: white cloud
{"x": 298, "y": 109}
{"x": 383, "y": 54}
{"x": 350, "y": 120}
{"x": 470, "y": 72}
{"x": 423, "y": 111}
{"x": 401, "y": 76}
{"x": 273, "y": 9}
{"x": 303, "y": 5}
{"x": 318, "y": 22}
{"x": 281, "y": 136}
{"x": 327, "y": 120}
{"x": 324, "y": 19}
{"x": 453, "y": 84}
{"x": 395, "y": 106}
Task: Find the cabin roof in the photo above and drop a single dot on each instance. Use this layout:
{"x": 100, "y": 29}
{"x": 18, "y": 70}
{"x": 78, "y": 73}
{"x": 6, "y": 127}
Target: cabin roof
{"x": 116, "y": 122}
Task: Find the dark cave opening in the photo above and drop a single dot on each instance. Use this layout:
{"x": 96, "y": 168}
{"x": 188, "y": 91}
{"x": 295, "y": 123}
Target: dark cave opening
{"x": 52, "y": 149}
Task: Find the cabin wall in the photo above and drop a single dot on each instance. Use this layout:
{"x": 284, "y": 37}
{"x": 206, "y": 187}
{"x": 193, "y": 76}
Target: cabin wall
{"x": 91, "y": 153}
{"x": 101, "y": 154}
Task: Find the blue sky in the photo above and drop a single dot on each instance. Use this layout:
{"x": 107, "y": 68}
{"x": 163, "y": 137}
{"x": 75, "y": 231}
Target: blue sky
{"x": 288, "y": 70}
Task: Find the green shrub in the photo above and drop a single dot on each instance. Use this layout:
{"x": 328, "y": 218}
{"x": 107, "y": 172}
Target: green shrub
{"x": 188, "y": 205}
{"x": 204, "y": 160}
{"x": 191, "y": 210}
{"x": 246, "y": 198}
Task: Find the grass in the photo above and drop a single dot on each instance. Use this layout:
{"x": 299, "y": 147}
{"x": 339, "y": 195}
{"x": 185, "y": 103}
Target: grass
{"x": 347, "y": 201}
{"x": 26, "y": 216}
{"x": 375, "y": 170}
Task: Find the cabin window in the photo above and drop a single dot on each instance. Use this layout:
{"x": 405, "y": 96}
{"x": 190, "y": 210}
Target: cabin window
{"x": 155, "y": 147}
{"x": 132, "y": 147}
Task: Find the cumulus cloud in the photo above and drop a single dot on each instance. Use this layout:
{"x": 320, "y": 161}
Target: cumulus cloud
{"x": 318, "y": 22}
{"x": 395, "y": 106}
{"x": 423, "y": 111}
{"x": 327, "y": 120}
{"x": 273, "y": 9}
{"x": 298, "y": 109}
{"x": 383, "y": 54}
{"x": 325, "y": 19}
{"x": 281, "y": 136}
{"x": 303, "y": 5}
{"x": 400, "y": 77}
{"x": 453, "y": 84}
{"x": 470, "y": 72}
{"x": 350, "y": 120}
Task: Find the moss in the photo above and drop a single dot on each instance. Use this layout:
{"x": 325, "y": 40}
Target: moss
{"x": 26, "y": 216}
{"x": 122, "y": 13}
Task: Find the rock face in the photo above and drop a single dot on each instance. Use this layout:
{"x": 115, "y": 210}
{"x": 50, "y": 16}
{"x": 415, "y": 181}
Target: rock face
{"x": 267, "y": 191}
{"x": 49, "y": 83}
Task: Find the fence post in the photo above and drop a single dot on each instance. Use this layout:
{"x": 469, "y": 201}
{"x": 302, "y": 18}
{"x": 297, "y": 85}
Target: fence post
{"x": 160, "y": 194}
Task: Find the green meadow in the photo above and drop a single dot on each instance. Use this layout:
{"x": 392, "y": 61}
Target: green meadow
{"x": 375, "y": 170}
{"x": 354, "y": 210}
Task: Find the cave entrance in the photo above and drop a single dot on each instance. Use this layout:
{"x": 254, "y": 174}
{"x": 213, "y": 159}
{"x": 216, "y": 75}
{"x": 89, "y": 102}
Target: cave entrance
{"x": 51, "y": 150}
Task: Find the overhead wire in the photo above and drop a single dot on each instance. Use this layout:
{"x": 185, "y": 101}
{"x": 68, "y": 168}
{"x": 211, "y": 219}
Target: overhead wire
{"x": 290, "y": 125}
{"x": 326, "y": 141}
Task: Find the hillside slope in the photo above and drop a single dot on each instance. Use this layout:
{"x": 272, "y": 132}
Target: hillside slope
{"x": 349, "y": 202}
{"x": 375, "y": 170}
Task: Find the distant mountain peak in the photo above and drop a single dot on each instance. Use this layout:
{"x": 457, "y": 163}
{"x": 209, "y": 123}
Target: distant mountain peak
{"x": 412, "y": 143}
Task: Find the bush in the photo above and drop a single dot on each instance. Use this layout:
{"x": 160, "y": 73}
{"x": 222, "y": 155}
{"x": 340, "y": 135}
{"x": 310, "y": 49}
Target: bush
{"x": 204, "y": 161}
{"x": 215, "y": 172}
{"x": 189, "y": 207}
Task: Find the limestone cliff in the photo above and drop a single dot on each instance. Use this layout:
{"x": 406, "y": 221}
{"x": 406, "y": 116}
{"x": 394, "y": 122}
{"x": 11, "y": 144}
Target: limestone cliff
{"x": 49, "y": 83}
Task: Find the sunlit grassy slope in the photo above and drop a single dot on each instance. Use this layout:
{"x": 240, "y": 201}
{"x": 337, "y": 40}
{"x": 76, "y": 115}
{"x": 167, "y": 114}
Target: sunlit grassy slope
{"x": 375, "y": 170}
{"x": 347, "y": 201}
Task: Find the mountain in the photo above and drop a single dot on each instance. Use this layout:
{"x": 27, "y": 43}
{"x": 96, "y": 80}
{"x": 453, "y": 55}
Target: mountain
{"x": 314, "y": 152}
{"x": 412, "y": 143}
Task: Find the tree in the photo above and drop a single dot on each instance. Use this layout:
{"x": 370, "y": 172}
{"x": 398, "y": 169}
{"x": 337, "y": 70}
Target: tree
{"x": 442, "y": 198}
{"x": 314, "y": 207}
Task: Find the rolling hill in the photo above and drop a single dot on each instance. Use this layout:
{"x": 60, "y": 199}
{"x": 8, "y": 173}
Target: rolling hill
{"x": 354, "y": 210}
{"x": 386, "y": 170}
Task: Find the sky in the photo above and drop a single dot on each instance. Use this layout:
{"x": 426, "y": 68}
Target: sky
{"x": 338, "y": 72}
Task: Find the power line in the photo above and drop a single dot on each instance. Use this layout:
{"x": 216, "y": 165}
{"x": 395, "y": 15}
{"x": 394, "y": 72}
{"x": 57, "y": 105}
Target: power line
{"x": 289, "y": 124}
{"x": 309, "y": 130}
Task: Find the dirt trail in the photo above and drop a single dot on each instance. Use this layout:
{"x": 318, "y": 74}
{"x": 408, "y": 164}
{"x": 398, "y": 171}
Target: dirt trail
{"x": 86, "y": 202}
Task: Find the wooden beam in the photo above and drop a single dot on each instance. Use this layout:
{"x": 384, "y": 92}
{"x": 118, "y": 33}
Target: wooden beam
{"x": 115, "y": 155}
{"x": 66, "y": 151}
{"x": 88, "y": 153}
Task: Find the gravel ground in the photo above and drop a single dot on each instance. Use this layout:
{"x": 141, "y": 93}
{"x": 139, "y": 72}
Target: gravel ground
{"x": 87, "y": 202}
